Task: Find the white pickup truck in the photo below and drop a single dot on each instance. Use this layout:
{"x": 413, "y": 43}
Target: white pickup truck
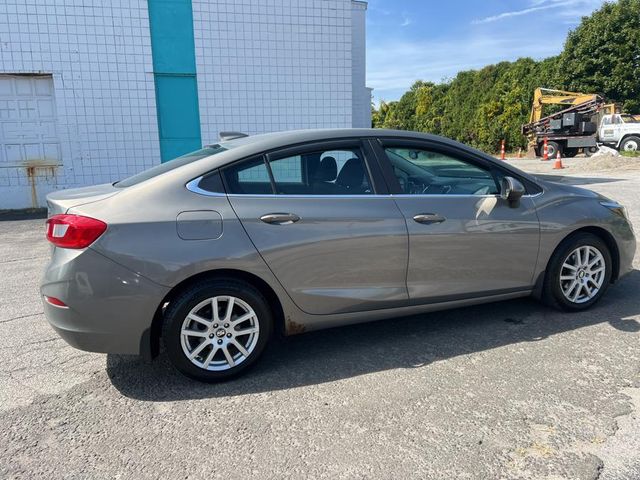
{"x": 620, "y": 131}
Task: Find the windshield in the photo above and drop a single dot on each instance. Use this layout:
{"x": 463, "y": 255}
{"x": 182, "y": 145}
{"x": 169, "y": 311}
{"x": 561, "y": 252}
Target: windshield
{"x": 171, "y": 165}
{"x": 630, "y": 119}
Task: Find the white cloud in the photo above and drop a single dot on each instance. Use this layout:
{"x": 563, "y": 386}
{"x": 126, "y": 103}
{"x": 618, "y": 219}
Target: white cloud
{"x": 562, "y": 8}
{"x": 514, "y": 13}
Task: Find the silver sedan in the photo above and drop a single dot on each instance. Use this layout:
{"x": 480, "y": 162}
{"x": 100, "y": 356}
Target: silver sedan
{"x": 212, "y": 253}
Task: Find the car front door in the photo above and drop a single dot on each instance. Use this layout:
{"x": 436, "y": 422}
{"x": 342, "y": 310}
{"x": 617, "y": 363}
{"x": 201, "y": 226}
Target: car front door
{"x": 464, "y": 240}
{"x": 321, "y": 217}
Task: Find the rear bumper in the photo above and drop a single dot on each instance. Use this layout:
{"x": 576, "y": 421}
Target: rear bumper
{"x": 109, "y": 307}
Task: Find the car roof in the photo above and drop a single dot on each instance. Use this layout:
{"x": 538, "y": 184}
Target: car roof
{"x": 267, "y": 141}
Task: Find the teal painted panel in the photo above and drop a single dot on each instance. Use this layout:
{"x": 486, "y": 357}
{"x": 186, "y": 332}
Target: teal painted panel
{"x": 174, "y": 68}
{"x": 174, "y": 148}
{"x": 172, "y": 43}
{"x": 178, "y": 115}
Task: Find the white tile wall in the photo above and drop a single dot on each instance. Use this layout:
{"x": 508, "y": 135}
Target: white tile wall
{"x": 361, "y": 94}
{"x": 100, "y": 56}
{"x": 269, "y": 65}
{"x": 262, "y": 65}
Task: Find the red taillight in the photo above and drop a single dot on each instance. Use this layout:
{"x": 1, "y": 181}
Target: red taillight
{"x": 74, "y": 231}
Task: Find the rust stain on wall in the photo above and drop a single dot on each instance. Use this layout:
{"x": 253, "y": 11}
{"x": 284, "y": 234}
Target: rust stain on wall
{"x": 39, "y": 168}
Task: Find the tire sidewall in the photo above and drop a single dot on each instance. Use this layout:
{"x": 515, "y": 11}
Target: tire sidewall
{"x": 552, "y": 149}
{"x": 590, "y": 151}
{"x": 179, "y": 308}
{"x": 634, "y": 139}
{"x": 553, "y": 288}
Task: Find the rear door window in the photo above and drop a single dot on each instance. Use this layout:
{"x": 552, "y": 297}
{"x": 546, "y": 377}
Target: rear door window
{"x": 317, "y": 172}
{"x": 321, "y": 172}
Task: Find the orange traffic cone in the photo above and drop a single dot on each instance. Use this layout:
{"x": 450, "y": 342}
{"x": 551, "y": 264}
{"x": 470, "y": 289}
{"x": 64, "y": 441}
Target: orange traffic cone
{"x": 558, "y": 164}
{"x": 502, "y": 157}
{"x": 545, "y": 150}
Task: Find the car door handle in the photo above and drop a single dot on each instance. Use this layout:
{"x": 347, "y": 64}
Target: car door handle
{"x": 428, "y": 218}
{"x": 280, "y": 218}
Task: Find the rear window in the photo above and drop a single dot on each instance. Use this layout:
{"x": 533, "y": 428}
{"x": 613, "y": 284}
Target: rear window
{"x": 171, "y": 165}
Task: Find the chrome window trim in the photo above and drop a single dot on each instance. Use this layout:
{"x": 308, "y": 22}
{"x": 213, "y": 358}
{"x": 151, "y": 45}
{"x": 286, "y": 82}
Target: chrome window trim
{"x": 192, "y": 186}
{"x": 444, "y": 195}
{"x": 385, "y": 195}
{"x": 285, "y": 195}
{"x": 496, "y": 195}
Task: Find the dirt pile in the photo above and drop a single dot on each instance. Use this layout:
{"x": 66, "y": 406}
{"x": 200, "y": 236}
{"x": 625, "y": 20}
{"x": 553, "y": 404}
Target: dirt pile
{"x": 609, "y": 162}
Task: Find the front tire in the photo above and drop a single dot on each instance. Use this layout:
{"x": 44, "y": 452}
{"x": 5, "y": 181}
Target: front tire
{"x": 578, "y": 273}
{"x": 216, "y": 329}
{"x": 630, "y": 144}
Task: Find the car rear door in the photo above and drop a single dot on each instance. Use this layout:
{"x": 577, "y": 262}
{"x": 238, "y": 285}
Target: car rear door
{"x": 464, "y": 240}
{"x": 321, "y": 217}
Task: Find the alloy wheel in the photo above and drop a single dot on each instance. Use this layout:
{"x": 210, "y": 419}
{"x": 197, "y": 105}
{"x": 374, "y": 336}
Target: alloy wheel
{"x": 219, "y": 333}
{"x": 582, "y": 274}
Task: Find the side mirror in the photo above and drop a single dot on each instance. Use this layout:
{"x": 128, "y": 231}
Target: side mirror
{"x": 511, "y": 190}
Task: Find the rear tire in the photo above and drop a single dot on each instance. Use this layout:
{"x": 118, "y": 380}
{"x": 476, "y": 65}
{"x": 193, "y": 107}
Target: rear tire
{"x": 589, "y": 151}
{"x": 553, "y": 148}
{"x": 214, "y": 347}
{"x": 578, "y": 273}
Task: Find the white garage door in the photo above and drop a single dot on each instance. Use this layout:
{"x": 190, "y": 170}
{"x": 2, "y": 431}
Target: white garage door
{"x": 28, "y": 121}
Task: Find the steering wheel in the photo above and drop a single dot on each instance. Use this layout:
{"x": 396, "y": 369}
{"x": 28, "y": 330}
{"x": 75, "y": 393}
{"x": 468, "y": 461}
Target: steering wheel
{"x": 442, "y": 189}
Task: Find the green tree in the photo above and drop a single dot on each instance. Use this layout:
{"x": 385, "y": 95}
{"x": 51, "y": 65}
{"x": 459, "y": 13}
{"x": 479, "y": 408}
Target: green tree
{"x": 603, "y": 54}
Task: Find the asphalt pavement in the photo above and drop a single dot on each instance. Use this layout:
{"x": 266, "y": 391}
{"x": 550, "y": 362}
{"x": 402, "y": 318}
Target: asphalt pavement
{"x": 509, "y": 390}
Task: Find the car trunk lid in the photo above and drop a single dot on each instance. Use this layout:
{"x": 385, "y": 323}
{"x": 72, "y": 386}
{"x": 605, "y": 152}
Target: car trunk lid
{"x": 62, "y": 200}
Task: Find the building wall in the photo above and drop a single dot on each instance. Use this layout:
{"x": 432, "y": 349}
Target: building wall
{"x": 269, "y": 65}
{"x": 99, "y": 55}
{"x": 261, "y": 65}
{"x": 361, "y": 105}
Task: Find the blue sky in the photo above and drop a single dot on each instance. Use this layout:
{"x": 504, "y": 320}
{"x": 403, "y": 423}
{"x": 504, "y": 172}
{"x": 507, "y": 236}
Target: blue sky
{"x": 409, "y": 40}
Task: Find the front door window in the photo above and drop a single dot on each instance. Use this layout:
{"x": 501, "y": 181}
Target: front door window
{"x": 429, "y": 172}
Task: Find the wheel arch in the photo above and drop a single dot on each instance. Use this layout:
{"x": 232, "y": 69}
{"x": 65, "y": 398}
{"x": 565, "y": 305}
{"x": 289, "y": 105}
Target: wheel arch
{"x": 599, "y": 232}
{"x": 608, "y": 239}
{"x": 150, "y": 346}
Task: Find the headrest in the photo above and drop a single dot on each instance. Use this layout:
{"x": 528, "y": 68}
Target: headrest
{"x": 328, "y": 170}
{"x": 352, "y": 174}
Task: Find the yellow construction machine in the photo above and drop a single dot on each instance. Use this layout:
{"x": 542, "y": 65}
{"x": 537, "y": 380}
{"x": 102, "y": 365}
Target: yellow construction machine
{"x": 569, "y": 130}
{"x": 548, "y": 96}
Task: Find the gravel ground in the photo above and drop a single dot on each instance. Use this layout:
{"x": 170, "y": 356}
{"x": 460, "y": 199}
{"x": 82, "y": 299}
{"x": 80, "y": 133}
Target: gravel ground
{"x": 508, "y": 390}
{"x": 599, "y": 164}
